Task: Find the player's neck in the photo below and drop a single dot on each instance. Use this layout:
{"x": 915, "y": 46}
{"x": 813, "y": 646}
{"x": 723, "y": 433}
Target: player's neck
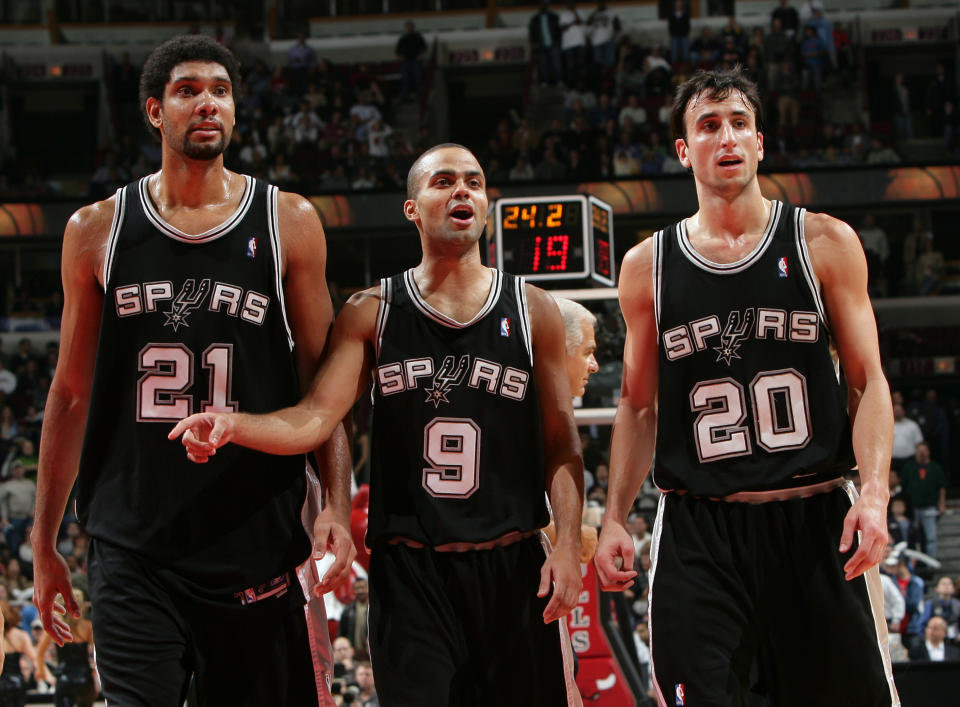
{"x": 451, "y": 271}
{"x": 182, "y": 182}
{"x": 730, "y": 217}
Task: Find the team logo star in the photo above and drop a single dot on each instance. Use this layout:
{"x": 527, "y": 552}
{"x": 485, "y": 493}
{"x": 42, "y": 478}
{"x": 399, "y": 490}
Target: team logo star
{"x": 176, "y": 319}
{"x": 436, "y": 395}
{"x": 727, "y": 352}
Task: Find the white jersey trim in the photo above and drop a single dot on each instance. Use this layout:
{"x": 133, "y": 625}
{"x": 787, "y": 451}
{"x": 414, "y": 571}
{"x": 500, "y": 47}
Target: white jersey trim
{"x": 216, "y": 232}
{"x": 654, "y": 556}
{"x": 524, "y": 316}
{"x": 382, "y": 313}
{"x": 776, "y": 207}
{"x": 657, "y": 278}
{"x": 119, "y": 211}
{"x": 273, "y": 227}
{"x": 806, "y": 265}
{"x": 442, "y": 318}
{"x": 875, "y": 595}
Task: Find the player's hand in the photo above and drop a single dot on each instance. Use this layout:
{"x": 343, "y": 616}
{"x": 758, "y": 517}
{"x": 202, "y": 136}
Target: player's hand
{"x": 332, "y": 534}
{"x": 868, "y": 515}
{"x": 203, "y": 434}
{"x": 562, "y": 570}
{"x": 614, "y": 553}
{"x": 51, "y": 579}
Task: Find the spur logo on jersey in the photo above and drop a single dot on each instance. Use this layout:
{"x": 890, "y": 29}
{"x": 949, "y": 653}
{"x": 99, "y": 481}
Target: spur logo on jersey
{"x": 191, "y": 298}
{"x": 439, "y": 382}
{"x": 741, "y": 326}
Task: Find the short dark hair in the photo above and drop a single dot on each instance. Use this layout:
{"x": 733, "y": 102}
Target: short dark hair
{"x": 416, "y": 169}
{"x": 185, "y": 47}
{"x": 716, "y": 86}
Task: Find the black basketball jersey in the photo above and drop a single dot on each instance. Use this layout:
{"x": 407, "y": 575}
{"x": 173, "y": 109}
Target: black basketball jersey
{"x": 457, "y": 453}
{"x": 750, "y": 394}
{"x": 191, "y": 324}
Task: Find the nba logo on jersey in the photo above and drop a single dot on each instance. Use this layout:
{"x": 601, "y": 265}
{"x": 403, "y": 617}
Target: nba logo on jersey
{"x": 681, "y": 696}
{"x": 505, "y": 326}
{"x": 782, "y": 270}
{"x": 252, "y": 247}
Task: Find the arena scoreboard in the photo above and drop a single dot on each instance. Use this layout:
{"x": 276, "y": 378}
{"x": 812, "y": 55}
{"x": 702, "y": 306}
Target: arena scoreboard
{"x": 555, "y": 238}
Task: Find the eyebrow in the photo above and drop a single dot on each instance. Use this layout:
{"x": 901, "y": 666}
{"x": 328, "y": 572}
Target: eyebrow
{"x": 197, "y": 79}
{"x": 714, "y": 114}
{"x": 451, "y": 172}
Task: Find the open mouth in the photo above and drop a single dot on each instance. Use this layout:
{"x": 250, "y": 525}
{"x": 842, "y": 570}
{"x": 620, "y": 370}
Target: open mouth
{"x": 730, "y": 162}
{"x": 462, "y": 214}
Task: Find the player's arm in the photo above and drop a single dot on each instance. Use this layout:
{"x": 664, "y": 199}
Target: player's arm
{"x": 562, "y": 457}
{"x": 65, "y": 415}
{"x": 841, "y": 267}
{"x": 311, "y": 316}
{"x": 635, "y": 425}
{"x": 308, "y": 424}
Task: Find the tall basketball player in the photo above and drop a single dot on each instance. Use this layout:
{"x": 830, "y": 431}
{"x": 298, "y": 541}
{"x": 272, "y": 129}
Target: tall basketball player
{"x": 192, "y": 289}
{"x": 472, "y": 422}
{"x": 762, "y": 554}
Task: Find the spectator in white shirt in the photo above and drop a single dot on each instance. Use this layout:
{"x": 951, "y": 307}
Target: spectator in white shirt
{"x": 8, "y": 381}
{"x": 634, "y": 111}
{"x": 906, "y": 436}
{"x": 573, "y": 41}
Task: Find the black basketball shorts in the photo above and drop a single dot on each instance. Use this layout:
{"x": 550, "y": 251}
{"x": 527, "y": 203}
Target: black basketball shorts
{"x": 151, "y": 635}
{"x": 739, "y": 589}
{"x": 463, "y": 629}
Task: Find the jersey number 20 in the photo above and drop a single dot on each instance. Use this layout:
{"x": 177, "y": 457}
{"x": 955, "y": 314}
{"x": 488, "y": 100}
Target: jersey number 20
{"x": 781, "y": 416}
{"x": 168, "y": 374}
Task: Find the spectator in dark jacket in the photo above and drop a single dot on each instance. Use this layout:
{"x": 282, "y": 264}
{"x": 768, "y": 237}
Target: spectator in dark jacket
{"x": 544, "y": 33}
{"x": 679, "y": 26}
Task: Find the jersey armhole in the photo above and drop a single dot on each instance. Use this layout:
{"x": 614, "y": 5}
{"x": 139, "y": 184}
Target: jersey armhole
{"x": 524, "y": 311}
{"x": 110, "y": 251}
{"x": 273, "y": 227}
{"x": 806, "y": 265}
{"x": 383, "y": 312}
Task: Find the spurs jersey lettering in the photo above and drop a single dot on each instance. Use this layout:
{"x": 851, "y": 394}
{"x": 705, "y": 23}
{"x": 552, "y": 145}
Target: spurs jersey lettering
{"x": 191, "y": 324}
{"x": 457, "y": 451}
{"x": 750, "y": 394}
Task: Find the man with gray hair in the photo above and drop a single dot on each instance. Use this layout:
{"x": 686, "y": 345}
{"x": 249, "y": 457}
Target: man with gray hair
{"x": 578, "y": 323}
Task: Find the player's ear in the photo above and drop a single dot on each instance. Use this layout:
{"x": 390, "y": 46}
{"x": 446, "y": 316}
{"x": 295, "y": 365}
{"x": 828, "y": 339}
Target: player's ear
{"x": 411, "y": 210}
{"x": 154, "y": 109}
{"x": 681, "y": 146}
{"x": 760, "y": 146}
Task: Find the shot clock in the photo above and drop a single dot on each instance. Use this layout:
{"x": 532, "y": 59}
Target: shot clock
{"x": 555, "y": 238}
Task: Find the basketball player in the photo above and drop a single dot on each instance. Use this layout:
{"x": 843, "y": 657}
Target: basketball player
{"x": 472, "y": 422}
{"x": 193, "y": 289}
{"x": 761, "y": 553}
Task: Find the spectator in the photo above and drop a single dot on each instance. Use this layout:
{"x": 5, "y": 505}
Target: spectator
{"x": 344, "y": 667}
{"x": 925, "y": 482}
{"x": 353, "y": 620}
{"x": 875, "y": 246}
{"x": 778, "y": 47}
{"x": 945, "y": 605}
{"x": 639, "y": 530}
{"x": 912, "y": 247}
{"x": 545, "y": 38}
{"x": 787, "y": 87}
{"x": 549, "y": 168}
{"x": 633, "y": 112}
{"x": 18, "y": 497}
{"x": 900, "y": 525}
{"x": 881, "y": 154}
{"x": 521, "y": 170}
{"x": 22, "y": 356}
{"x": 603, "y": 112}
{"x": 378, "y": 138}
{"x": 301, "y": 57}
{"x": 902, "y": 109}
{"x": 933, "y": 648}
{"x": 410, "y": 50}
{"x": 911, "y": 589}
{"x": 843, "y": 50}
{"x": 813, "y": 55}
{"x": 932, "y": 419}
{"x": 280, "y": 171}
{"x": 368, "y": 692}
{"x": 733, "y": 29}
{"x": 705, "y": 50}
{"x": 824, "y": 31}
{"x": 893, "y": 604}
{"x": 940, "y": 91}
{"x": 641, "y": 644}
{"x": 363, "y": 111}
{"x": 604, "y": 29}
{"x": 929, "y": 268}
{"x": 730, "y": 54}
{"x": 906, "y": 436}
{"x": 573, "y": 41}
{"x": 679, "y": 27}
{"x": 657, "y": 70}
{"x": 304, "y": 125}
{"x": 788, "y": 17}
{"x": 8, "y": 424}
